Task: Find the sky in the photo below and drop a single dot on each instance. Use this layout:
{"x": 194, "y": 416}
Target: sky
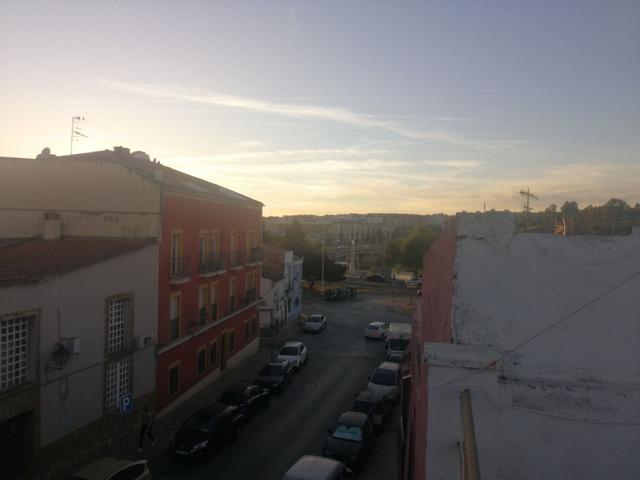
{"x": 323, "y": 107}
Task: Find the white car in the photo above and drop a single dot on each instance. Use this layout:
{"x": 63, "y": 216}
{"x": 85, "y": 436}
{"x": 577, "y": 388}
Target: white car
{"x": 314, "y": 323}
{"x": 376, "y": 330}
{"x": 295, "y": 353}
{"x": 385, "y": 379}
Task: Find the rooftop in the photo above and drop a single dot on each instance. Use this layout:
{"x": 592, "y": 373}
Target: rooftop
{"x": 36, "y": 260}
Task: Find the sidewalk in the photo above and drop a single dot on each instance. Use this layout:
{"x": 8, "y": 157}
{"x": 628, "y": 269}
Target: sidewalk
{"x": 382, "y": 463}
{"x": 165, "y": 427}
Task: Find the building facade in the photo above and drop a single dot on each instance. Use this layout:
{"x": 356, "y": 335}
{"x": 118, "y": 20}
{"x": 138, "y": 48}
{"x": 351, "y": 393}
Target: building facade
{"x": 281, "y": 287}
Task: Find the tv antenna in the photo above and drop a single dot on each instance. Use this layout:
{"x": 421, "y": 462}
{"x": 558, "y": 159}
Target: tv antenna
{"x": 527, "y": 198}
{"x": 76, "y": 130}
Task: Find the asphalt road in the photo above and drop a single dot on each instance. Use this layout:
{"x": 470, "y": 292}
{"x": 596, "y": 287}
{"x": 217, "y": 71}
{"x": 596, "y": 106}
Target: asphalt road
{"x": 295, "y": 424}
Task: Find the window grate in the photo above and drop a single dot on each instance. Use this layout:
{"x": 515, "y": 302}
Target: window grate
{"x": 118, "y": 380}
{"x": 14, "y": 336}
{"x": 117, "y": 313}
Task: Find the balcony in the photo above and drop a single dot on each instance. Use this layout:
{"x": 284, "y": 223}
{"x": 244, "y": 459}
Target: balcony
{"x": 179, "y": 270}
{"x": 210, "y": 264}
{"x": 255, "y": 255}
{"x": 249, "y": 297}
{"x": 237, "y": 258}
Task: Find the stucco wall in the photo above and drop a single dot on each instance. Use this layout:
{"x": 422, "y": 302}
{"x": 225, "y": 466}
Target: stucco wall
{"x": 95, "y": 198}
{"x": 73, "y": 396}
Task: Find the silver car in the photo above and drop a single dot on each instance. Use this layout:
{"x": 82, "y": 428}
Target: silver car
{"x": 315, "y": 323}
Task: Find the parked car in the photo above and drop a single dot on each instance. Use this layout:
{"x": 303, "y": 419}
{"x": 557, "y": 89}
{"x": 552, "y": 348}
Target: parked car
{"x": 295, "y": 353}
{"x": 315, "y": 323}
{"x": 385, "y": 379}
{"x": 207, "y": 431}
{"x": 376, "y": 330}
{"x": 250, "y": 399}
{"x": 275, "y": 376}
{"x": 312, "y": 467}
{"x": 414, "y": 283}
{"x": 376, "y": 277}
{"x": 374, "y": 404}
{"x": 351, "y": 439}
{"x": 111, "y": 468}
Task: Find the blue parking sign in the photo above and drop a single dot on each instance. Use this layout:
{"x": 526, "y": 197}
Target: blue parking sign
{"x": 126, "y": 404}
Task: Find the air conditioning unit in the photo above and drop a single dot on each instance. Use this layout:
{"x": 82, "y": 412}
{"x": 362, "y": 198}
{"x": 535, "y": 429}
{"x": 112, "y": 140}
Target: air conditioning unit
{"x": 144, "y": 340}
{"x": 71, "y": 345}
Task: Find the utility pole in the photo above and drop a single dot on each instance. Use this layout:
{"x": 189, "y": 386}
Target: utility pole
{"x": 527, "y": 195}
{"x": 322, "y": 267}
{"x": 75, "y": 131}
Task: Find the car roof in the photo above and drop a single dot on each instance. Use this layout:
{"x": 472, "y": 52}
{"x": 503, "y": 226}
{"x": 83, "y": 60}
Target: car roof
{"x": 353, "y": 418}
{"x": 377, "y": 323}
{"x": 316, "y": 315}
{"x": 104, "y": 467}
{"x": 238, "y": 387}
{"x": 292, "y": 344}
{"x": 369, "y": 396}
{"x": 388, "y": 366}
{"x": 312, "y": 467}
{"x": 215, "y": 409}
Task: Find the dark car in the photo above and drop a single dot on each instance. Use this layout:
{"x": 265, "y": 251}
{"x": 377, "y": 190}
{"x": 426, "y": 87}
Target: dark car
{"x": 351, "y": 439}
{"x": 376, "y": 277}
{"x": 207, "y": 431}
{"x": 250, "y": 399}
{"x": 275, "y": 376}
{"x": 376, "y": 405}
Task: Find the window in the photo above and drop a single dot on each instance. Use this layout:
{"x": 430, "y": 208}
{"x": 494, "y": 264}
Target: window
{"x": 202, "y": 360}
{"x": 233, "y": 241}
{"x": 203, "y": 248}
{"x": 215, "y": 241}
{"x": 14, "y": 348}
{"x": 232, "y": 341}
{"x": 247, "y": 333}
{"x": 117, "y": 323}
{"x": 174, "y": 316}
{"x": 203, "y": 295}
{"x": 254, "y": 326}
{"x": 232, "y": 294}
{"x": 174, "y": 379}
{"x": 214, "y": 301}
{"x": 176, "y": 253}
{"x": 213, "y": 353}
{"x": 118, "y": 382}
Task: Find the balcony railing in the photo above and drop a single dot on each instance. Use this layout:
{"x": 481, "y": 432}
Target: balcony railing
{"x": 255, "y": 255}
{"x": 179, "y": 267}
{"x": 250, "y": 296}
{"x": 232, "y": 303}
{"x": 202, "y": 317}
{"x": 211, "y": 262}
{"x": 236, "y": 258}
{"x": 214, "y": 312}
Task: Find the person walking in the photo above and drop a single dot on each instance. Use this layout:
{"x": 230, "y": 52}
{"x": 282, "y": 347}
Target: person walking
{"x": 146, "y": 422}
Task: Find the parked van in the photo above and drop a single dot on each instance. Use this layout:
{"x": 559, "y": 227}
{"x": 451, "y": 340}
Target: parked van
{"x": 312, "y": 467}
{"x": 398, "y": 340}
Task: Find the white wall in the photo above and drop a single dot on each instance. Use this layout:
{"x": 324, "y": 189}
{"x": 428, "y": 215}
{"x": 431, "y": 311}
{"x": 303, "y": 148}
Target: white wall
{"x": 73, "y": 396}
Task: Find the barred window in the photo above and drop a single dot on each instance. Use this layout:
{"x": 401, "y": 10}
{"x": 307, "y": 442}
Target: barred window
{"x": 14, "y": 336}
{"x": 117, "y": 382}
{"x": 117, "y": 323}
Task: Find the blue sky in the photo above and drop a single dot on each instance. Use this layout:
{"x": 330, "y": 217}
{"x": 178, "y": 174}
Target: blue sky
{"x": 331, "y": 107}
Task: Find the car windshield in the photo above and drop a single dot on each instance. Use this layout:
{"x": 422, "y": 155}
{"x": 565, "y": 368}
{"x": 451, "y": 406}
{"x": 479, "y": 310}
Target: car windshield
{"x": 314, "y": 319}
{"x": 398, "y": 343}
{"x": 289, "y": 351}
{"x": 361, "y": 406}
{"x": 382, "y": 376}
{"x": 373, "y": 327}
{"x": 272, "y": 370}
{"x": 200, "y": 421}
{"x": 347, "y": 432}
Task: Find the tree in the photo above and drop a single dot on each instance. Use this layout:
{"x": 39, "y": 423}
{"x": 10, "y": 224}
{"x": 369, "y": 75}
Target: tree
{"x": 295, "y": 239}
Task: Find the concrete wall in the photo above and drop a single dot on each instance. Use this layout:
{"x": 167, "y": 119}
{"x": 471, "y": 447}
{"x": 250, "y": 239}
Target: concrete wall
{"x": 95, "y": 198}
{"x": 74, "y": 306}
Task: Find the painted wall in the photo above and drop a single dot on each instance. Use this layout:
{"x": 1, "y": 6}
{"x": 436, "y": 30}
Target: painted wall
{"x": 73, "y": 396}
{"x": 95, "y": 198}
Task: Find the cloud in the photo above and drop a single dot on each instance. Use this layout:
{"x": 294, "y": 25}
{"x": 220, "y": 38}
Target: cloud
{"x": 317, "y": 112}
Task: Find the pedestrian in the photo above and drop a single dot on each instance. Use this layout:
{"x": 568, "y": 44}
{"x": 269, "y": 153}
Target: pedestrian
{"x": 146, "y": 422}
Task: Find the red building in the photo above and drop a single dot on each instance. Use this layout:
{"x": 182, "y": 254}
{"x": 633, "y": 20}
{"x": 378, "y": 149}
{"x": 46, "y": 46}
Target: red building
{"x": 209, "y": 274}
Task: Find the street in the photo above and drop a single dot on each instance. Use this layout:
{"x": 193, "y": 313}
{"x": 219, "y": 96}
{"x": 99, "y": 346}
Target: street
{"x": 295, "y": 424}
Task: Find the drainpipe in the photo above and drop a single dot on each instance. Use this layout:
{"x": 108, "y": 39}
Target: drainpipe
{"x": 470, "y": 463}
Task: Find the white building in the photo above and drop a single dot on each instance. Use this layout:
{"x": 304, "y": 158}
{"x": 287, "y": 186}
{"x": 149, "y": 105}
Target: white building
{"x": 280, "y": 287}
{"x": 77, "y": 329}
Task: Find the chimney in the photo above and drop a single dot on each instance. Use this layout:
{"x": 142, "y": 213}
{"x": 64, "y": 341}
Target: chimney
{"x": 52, "y": 226}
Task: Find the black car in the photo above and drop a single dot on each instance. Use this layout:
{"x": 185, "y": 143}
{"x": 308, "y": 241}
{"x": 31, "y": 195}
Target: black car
{"x": 207, "y": 431}
{"x": 351, "y": 439}
{"x": 250, "y": 399}
{"x": 376, "y": 405}
{"x": 275, "y": 376}
{"x": 376, "y": 277}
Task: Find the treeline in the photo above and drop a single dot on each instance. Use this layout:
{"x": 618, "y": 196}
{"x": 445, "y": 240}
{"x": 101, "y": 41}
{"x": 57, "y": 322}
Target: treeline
{"x": 407, "y": 251}
{"x": 616, "y": 217}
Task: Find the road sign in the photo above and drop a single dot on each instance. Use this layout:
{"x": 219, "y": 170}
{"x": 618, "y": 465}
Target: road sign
{"x": 126, "y": 404}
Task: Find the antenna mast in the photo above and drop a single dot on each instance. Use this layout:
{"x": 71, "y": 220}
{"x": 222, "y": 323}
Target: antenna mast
{"x": 76, "y": 131}
{"x": 528, "y": 196}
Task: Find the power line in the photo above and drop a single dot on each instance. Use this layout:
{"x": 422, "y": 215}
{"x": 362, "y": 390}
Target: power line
{"x": 540, "y": 333}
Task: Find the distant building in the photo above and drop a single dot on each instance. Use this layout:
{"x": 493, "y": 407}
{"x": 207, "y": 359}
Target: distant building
{"x": 280, "y": 288}
{"x": 540, "y": 333}
{"x": 77, "y": 323}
